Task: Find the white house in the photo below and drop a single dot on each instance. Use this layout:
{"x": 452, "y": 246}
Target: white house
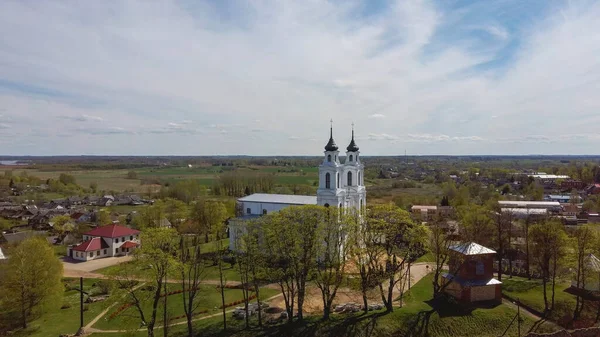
{"x": 106, "y": 241}
{"x": 340, "y": 185}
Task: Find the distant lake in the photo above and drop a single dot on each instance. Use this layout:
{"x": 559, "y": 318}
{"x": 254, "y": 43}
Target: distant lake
{"x": 11, "y": 162}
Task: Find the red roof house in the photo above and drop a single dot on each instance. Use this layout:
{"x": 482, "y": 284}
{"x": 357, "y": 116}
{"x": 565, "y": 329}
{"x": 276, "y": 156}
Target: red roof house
{"x": 91, "y": 245}
{"x": 112, "y": 231}
{"x": 106, "y": 241}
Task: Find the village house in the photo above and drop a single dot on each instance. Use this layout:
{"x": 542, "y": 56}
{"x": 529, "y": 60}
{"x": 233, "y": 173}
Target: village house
{"x": 105, "y": 241}
{"x": 472, "y": 278}
{"x": 430, "y": 212}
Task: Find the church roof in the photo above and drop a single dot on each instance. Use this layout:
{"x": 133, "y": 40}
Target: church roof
{"x": 352, "y": 147}
{"x": 281, "y": 199}
{"x": 331, "y": 146}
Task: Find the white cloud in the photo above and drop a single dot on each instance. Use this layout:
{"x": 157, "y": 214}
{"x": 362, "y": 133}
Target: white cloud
{"x": 160, "y": 74}
{"x": 376, "y": 116}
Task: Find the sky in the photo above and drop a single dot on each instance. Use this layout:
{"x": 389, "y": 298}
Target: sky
{"x": 253, "y": 77}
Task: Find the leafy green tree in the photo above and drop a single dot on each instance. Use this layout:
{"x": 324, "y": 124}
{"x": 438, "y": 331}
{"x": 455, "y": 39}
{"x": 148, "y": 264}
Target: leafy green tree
{"x": 66, "y": 179}
{"x": 476, "y": 224}
{"x": 549, "y": 242}
{"x": 585, "y": 240}
{"x": 103, "y": 217}
{"x": 94, "y": 186}
{"x": 400, "y": 243}
{"x": 59, "y": 223}
{"x": 132, "y": 175}
{"x": 332, "y": 254}
{"x": 32, "y": 280}
{"x": 291, "y": 244}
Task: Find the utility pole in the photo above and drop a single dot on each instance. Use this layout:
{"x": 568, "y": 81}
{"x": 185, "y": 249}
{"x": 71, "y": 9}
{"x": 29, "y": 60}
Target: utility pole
{"x": 518, "y": 317}
{"x": 165, "y": 323}
{"x": 81, "y": 303}
{"x": 81, "y": 292}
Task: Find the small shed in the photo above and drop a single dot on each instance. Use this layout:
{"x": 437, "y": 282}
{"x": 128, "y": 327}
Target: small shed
{"x": 471, "y": 278}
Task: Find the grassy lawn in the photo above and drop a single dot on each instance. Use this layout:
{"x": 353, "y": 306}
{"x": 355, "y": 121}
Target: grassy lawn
{"x": 416, "y": 318}
{"x": 530, "y": 292}
{"x": 211, "y": 272}
{"x": 426, "y": 258}
{"x": 56, "y": 321}
{"x": 209, "y": 300}
{"x": 211, "y": 246}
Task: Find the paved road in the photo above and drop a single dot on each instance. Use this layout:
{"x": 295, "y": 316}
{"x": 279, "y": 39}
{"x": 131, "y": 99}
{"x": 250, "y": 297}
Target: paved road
{"x": 72, "y": 267}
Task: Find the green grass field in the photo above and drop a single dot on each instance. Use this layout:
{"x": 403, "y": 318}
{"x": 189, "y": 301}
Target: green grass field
{"x": 57, "y": 321}
{"x": 209, "y": 299}
{"x": 530, "y": 292}
{"x": 210, "y": 272}
{"x": 416, "y": 318}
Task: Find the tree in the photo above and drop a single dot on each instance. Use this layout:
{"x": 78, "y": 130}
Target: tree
{"x": 332, "y": 254}
{"x": 153, "y": 260}
{"x": 59, "y": 222}
{"x": 364, "y": 247}
{"x": 32, "y": 279}
{"x": 291, "y": 243}
{"x": 103, "y": 217}
{"x": 584, "y": 239}
{"x": 439, "y": 244}
{"x": 192, "y": 272}
{"x": 94, "y": 186}
{"x": 476, "y": 224}
{"x": 132, "y": 175}
{"x": 176, "y": 211}
{"x": 66, "y": 179}
{"x": 401, "y": 241}
{"x": 548, "y": 248}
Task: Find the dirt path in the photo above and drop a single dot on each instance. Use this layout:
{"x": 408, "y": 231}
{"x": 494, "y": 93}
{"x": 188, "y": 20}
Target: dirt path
{"x": 313, "y": 302}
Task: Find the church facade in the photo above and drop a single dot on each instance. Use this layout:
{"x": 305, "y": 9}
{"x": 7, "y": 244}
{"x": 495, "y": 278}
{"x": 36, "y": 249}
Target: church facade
{"x": 341, "y": 185}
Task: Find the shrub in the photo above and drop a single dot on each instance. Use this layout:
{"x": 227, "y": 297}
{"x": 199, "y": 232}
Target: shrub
{"x": 66, "y": 306}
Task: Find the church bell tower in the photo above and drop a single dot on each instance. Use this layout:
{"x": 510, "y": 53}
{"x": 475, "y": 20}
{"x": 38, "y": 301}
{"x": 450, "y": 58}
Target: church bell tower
{"x": 341, "y": 185}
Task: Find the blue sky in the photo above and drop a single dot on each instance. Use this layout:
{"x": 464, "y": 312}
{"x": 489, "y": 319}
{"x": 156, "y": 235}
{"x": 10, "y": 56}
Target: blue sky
{"x": 264, "y": 77}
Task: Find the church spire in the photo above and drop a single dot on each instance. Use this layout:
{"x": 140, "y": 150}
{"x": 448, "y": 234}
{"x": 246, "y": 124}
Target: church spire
{"x": 331, "y": 146}
{"x": 352, "y": 147}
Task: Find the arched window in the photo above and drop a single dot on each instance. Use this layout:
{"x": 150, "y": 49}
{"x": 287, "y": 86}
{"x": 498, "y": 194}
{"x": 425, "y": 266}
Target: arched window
{"x": 359, "y": 181}
{"x": 350, "y": 157}
{"x": 360, "y": 210}
{"x": 329, "y": 158}
{"x": 337, "y": 179}
{"x": 340, "y": 205}
{"x": 327, "y": 180}
{"x": 349, "y": 178}
{"x": 248, "y": 211}
{"x": 264, "y": 211}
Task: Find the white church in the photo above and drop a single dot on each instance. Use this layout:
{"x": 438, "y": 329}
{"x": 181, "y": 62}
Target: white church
{"x": 340, "y": 185}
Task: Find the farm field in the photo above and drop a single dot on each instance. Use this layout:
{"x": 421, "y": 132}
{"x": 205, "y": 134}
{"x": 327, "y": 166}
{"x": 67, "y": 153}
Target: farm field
{"x": 116, "y": 180}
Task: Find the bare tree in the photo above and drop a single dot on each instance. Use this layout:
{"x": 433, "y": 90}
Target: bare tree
{"x": 156, "y": 253}
{"x": 192, "y": 272}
